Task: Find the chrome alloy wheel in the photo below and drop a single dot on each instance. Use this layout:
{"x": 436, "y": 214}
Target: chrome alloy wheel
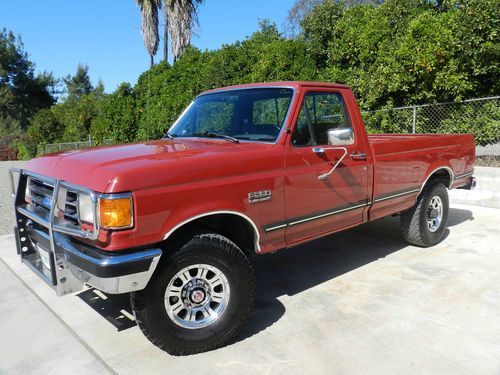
{"x": 197, "y": 296}
{"x": 434, "y": 213}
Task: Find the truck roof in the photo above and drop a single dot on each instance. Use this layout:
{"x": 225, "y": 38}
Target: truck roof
{"x": 291, "y": 84}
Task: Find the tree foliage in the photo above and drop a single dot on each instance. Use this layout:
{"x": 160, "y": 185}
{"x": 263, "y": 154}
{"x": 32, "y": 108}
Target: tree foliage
{"x": 79, "y": 85}
{"x": 22, "y": 92}
{"x": 408, "y": 52}
{"x": 116, "y": 119}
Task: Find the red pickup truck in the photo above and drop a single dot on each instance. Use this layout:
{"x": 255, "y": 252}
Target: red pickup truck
{"x": 245, "y": 170}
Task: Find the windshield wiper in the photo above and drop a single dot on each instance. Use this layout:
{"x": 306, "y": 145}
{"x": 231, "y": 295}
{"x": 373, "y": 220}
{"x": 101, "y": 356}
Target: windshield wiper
{"x": 169, "y": 136}
{"x": 217, "y": 135}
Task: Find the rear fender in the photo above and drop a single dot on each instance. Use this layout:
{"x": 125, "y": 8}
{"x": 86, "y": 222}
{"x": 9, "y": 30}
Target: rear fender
{"x": 438, "y": 168}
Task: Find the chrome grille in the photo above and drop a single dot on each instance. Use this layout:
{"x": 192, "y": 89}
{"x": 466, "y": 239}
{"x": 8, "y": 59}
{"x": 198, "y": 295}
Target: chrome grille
{"x": 41, "y": 196}
{"x": 71, "y": 207}
{"x": 41, "y": 193}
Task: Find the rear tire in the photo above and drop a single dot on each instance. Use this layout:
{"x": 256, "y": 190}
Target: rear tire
{"x": 425, "y": 223}
{"x": 199, "y": 299}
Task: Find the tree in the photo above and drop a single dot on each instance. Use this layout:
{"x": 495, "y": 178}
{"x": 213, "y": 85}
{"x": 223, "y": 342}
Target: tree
{"x": 166, "y": 4}
{"x": 302, "y": 8}
{"x": 45, "y": 128}
{"x": 22, "y": 93}
{"x": 319, "y": 27}
{"x": 117, "y": 116}
{"x": 182, "y": 17}
{"x": 299, "y": 10}
{"x": 79, "y": 84}
{"x": 149, "y": 21}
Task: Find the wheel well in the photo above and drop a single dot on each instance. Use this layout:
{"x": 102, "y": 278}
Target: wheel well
{"x": 232, "y": 226}
{"x": 443, "y": 175}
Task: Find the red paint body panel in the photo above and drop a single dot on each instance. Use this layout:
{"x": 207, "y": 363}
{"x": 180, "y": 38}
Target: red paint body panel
{"x": 173, "y": 181}
{"x": 305, "y": 194}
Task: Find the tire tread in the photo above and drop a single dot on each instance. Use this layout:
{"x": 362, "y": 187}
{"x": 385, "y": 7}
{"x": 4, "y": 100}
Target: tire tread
{"x": 411, "y": 220}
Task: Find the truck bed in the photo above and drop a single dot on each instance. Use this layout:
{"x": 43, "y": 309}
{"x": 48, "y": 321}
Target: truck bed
{"x": 403, "y": 161}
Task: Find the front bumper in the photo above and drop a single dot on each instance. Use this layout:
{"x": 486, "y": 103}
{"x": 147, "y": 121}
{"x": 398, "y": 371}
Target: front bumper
{"x": 67, "y": 264}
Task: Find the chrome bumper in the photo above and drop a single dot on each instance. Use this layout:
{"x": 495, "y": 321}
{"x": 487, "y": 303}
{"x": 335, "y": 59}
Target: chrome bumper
{"x": 72, "y": 264}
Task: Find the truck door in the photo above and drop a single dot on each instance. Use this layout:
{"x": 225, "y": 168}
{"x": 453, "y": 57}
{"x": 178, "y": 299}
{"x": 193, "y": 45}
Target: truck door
{"x": 326, "y": 168}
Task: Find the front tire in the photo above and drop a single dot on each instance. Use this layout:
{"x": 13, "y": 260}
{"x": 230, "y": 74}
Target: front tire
{"x": 425, "y": 223}
{"x": 199, "y": 299}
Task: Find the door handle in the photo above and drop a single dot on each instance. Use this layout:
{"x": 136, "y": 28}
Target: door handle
{"x": 358, "y": 156}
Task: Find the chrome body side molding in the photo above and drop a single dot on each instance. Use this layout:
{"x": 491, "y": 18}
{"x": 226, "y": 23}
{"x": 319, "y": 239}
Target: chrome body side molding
{"x": 396, "y": 195}
{"x": 319, "y": 215}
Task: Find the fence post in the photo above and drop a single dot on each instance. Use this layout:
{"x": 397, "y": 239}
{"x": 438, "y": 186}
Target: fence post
{"x": 414, "y": 126}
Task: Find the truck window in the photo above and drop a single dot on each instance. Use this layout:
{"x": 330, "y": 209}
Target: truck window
{"x": 319, "y": 113}
{"x": 215, "y": 116}
{"x": 245, "y": 114}
{"x": 270, "y": 111}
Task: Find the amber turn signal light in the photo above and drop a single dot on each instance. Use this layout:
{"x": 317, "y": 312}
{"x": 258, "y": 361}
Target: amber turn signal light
{"x": 115, "y": 213}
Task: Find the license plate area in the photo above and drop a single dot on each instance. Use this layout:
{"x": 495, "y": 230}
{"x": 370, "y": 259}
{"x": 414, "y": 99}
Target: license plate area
{"x": 44, "y": 256}
{"x": 32, "y": 246}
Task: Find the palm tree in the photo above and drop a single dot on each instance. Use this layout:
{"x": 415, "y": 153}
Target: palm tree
{"x": 149, "y": 18}
{"x": 166, "y": 4}
{"x": 180, "y": 18}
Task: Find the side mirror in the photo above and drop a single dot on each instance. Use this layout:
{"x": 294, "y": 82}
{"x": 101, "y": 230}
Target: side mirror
{"x": 340, "y": 137}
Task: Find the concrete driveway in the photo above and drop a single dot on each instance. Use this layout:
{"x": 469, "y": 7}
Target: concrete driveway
{"x": 359, "y": 302}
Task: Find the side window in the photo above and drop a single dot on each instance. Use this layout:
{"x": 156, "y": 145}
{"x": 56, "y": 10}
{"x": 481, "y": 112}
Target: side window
{"x": 320, "y": 112}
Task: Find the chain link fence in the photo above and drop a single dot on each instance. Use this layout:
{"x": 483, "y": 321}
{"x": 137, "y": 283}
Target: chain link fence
{"x": 55, "y": 147}
{"x": 478, "y": 116}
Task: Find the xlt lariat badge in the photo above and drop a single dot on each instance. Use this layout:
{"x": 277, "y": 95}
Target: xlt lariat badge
{"x": 259, "y": 196}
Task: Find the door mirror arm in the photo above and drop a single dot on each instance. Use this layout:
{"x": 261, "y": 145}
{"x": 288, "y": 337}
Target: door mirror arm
{"x": 321, "y": 150}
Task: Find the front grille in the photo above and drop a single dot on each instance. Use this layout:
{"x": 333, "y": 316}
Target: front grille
{"x": 41, "y": 196}
{"x": 71, "y": 207}
{"x": 41, "y": 193}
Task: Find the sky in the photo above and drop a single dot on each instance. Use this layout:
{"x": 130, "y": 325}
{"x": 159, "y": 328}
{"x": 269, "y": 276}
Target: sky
{"x": 106, "y": 34}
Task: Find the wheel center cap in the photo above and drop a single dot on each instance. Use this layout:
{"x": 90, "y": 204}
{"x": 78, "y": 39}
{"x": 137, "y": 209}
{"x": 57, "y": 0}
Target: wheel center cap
{"x": 433, "y": 214}
{"x": 197, "y": 295}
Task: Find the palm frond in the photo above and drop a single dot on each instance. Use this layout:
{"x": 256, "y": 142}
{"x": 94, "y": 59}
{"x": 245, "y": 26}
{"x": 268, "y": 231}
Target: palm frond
{"x": 182, "y": 16}
{"x": 149, "y": 21}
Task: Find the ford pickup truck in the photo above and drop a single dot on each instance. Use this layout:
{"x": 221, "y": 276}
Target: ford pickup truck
{"x": 245, "y": 170}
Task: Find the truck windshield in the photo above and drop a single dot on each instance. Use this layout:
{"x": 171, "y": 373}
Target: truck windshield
{"x": 247, "y": 114}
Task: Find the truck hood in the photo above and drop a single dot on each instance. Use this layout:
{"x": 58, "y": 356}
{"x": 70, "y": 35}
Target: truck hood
{"x": 140, "y": 165}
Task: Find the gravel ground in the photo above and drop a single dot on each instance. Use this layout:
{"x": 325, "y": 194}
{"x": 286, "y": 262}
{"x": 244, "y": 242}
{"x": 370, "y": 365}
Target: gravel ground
{"x": 6, "y": 210}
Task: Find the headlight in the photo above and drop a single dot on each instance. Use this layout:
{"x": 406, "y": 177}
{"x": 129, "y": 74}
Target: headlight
{"x": 85, "y": 208}
{"x": 116, "y": 211}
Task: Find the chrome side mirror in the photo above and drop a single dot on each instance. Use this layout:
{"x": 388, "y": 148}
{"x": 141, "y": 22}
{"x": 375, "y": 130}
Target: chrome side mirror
{"x": 340, "y": 137}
